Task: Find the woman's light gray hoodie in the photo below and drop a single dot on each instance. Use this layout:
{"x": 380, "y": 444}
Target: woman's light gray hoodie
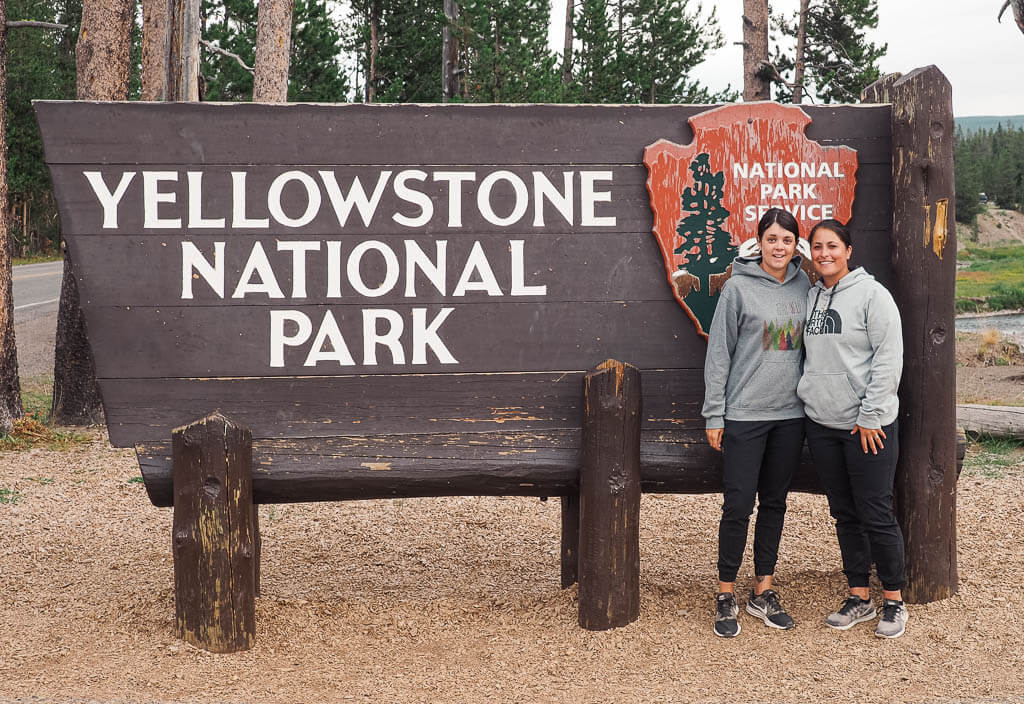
{"x": 755, "y": 346}
{"x": 854, "y": 347}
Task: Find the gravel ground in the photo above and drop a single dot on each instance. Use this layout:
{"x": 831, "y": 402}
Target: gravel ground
{"x": 458, "y": 599}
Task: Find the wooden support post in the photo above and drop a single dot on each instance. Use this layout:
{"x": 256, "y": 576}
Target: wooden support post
{"x": 570, "y": 539}
{"x": 924, "y": 277}
{"x": 214, "y": 535}
{"x": 609, "y": 540}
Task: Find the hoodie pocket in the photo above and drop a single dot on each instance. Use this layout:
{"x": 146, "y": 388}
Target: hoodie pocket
{"x": 828, "y": 397}
{"x": 771, "y": 386}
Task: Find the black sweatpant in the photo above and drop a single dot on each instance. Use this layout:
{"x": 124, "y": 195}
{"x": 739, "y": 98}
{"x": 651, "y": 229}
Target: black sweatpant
{"x": 760, "y": 458}
{"x": 859, "y": 487}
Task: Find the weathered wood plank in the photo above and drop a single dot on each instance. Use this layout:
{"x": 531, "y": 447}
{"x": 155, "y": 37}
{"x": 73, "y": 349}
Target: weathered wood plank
{"x": 924, "y": 279}
{"x": 214, "y": 535}
{"x": 546, "y": 463}
{"x": 1000, "y": 421}
{"x": 141, "y": 411}
{"x": 609, "y": 536}
{"x": 400, "y": 134}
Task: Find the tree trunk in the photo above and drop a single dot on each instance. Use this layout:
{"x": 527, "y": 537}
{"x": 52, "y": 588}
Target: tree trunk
{"x": 801, "y": 39}
{"x": 154, "y": 49}
{"x": 755, "y": 49}
{"x": 924, "y": 281}
{"x": 10, "y": 390}
{"x": 273, "y": 51}
{"x": 102, "y": 60}
{"x": 371, "y": 77}
{"x": 182, "y": 65}
{"x": 449, "y": 52}
{"x": 567, "y": 46}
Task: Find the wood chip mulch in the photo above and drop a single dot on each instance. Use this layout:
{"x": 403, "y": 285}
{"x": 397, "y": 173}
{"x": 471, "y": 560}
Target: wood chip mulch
{"x": 458, "y": 600}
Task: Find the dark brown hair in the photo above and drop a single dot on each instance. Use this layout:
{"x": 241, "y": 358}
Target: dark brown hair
{"x": 833, "y": 226}
{"x": 783, "y": 218}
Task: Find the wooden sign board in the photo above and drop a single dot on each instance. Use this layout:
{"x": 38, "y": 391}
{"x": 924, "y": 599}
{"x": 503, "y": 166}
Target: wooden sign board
{"x": 333, "y": 271}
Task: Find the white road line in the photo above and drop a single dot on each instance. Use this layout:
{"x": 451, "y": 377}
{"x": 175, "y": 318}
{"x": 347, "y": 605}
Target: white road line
{"x": 33, "y": 305}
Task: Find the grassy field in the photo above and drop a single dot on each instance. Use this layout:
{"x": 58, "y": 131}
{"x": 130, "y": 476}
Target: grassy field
{"x": 990, "y": 278}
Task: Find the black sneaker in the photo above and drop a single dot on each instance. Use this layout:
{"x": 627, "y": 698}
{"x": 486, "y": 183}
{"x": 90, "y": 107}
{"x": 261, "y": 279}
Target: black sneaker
{"x": 726, "y": 624}
{"x": 766, "y": 607}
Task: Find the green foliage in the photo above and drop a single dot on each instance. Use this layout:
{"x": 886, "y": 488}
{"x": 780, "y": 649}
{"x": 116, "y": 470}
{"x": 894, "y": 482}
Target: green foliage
{"x": 642, "y": 51}
{"x": 315, "y": 73}
{"x": 407, "y": 65}
{"x": 992, "y": 162}
{"x": 991, "y": 457}
{"x": 505, "y": 53}
{"x": 40, "y": 66}
{"x": 8, "y": 496}
{"x": 990, "y": 278}
{"x": 839, "y": 61}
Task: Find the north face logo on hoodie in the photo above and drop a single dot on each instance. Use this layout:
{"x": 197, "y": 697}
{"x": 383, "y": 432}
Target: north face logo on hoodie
{"x": 824, "y": 322}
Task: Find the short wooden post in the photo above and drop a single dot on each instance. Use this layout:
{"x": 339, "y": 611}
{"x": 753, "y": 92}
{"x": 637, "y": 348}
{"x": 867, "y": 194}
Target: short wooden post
{"x": 570, "y": 539}
{"x": 924, "y": 278}
{"x": 214, "y": 535}
{"x": 609, "y": 540}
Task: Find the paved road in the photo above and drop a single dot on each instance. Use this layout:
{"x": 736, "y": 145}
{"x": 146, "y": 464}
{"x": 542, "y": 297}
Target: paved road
{"x": 36, "y": 295}
{"x": 36, "y": 290}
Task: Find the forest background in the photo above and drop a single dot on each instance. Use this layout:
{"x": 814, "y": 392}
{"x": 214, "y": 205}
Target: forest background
{"x": 626, "y": 51}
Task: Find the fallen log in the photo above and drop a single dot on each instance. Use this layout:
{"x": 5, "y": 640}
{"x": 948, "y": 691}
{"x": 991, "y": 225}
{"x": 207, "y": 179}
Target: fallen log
{"x": 1003, "y": 421}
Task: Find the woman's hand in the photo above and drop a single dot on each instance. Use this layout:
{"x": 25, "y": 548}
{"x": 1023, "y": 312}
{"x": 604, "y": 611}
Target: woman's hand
{"x": 869, "y": 438}
{"x": 715, "y": 437}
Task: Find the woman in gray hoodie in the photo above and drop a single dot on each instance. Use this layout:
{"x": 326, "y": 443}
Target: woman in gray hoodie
{"x": 854, "y": 346}
{"x": 753, "y": 415}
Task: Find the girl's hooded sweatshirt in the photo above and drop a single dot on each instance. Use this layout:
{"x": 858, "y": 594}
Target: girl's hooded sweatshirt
{"x": 755, "y": 346}
{"x": 854, "y": 346}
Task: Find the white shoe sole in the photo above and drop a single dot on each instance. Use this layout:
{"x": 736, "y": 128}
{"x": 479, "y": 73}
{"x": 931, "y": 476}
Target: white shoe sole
{"x": 851, "y": 624}
{"x": 738, "y": 629}
{"x": 894, "y": 635}
{"x": 764, "y": 617}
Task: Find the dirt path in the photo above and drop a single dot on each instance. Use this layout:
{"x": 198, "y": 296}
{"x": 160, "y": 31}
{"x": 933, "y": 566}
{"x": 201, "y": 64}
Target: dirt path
{"x": 458, "y": 600}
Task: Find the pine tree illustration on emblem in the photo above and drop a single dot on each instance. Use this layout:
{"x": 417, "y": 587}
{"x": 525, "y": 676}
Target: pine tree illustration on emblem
{"x": 705, "y": 244}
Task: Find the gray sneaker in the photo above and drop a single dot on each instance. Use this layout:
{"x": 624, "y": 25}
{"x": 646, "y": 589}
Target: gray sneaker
{"x": 894, "y": 619}
{"x": 853, "y": 611}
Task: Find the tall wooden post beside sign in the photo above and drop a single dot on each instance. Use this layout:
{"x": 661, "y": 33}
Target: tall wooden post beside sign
{"x": 924, "y": 277}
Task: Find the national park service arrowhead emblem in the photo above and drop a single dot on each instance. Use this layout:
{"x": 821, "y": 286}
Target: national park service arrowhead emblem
{"x": 709, "y": 195}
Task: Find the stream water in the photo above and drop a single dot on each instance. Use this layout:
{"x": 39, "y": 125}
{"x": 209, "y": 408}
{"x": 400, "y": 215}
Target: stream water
{"x": 1011, "y": 325}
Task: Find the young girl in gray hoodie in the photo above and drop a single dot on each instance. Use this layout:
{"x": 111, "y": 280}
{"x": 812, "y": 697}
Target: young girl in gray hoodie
{"x": 753, "y": 415}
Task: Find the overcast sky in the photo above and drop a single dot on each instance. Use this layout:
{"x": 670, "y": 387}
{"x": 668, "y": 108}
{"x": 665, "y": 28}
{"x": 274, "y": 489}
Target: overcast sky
{"x": 983, "y": 59}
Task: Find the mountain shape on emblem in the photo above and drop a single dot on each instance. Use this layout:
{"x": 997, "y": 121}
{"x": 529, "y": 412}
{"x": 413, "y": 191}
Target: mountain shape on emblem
{"x": 708, "y": 196}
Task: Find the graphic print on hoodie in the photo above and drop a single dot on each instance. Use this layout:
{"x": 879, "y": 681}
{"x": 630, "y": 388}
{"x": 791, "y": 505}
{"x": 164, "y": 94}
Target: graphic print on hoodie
{"x": 755, "y": 346}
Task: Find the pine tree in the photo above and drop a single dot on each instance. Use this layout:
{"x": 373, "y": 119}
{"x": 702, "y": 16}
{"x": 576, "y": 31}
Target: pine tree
{"x": 839, "y": 61}
{"x": 40, "y": 66}
{"x": 505, "y": 54}
{"x": 642, "y": 51}
{"x": 315, "y": 73}
{"x": 705, "y": 243}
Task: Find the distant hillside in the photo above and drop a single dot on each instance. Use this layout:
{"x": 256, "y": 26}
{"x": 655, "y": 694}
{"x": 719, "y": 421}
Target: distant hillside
{"x": 988, "y": 122}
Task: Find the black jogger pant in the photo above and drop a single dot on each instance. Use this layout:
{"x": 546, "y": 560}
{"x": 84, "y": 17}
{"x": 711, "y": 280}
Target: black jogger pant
{"x": 759, "y": 460}
{"x": 859, "y": 487}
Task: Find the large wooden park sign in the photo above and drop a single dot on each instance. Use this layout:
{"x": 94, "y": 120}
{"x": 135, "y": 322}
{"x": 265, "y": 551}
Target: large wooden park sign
{"x": 327, "y": 302}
